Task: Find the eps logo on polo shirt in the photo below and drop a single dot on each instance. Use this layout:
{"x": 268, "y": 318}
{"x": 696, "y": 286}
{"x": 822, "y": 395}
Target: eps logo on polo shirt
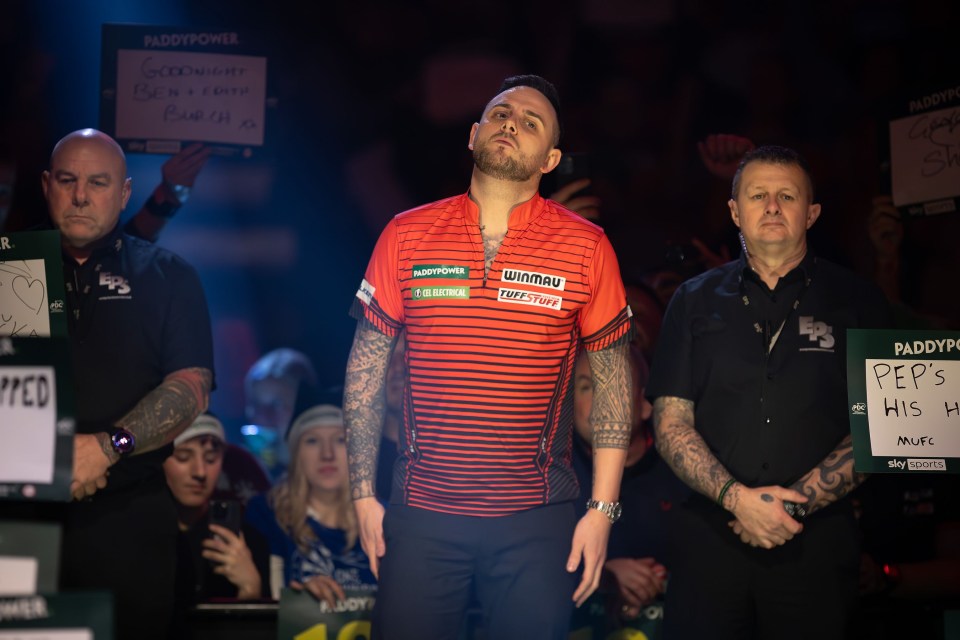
{"x": 818, "y": 332}
{"x": 116, "y": 284}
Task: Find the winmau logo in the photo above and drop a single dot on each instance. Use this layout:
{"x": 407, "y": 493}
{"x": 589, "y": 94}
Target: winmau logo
{"x": 532, "y": 277}
{"x": 818, "y": 332}
{"x": 112, "y": 282}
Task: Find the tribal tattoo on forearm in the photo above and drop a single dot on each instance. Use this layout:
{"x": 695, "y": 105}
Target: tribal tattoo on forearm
{"x": 364, "y": 405}
{"x": 831, "y": 479}
{"x": 685, "y": 450}
{"x": 612, "y": 396}
{"x": 169, "y": 409}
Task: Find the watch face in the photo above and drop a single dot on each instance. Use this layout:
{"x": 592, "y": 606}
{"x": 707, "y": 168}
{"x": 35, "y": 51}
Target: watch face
{"x": 123, "y": 441}
{"x": 615, "y": 511}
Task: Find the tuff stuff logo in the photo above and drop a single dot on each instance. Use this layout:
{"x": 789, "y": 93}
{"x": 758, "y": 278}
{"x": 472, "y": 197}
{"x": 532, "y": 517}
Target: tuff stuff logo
{"x": 532, "y": 277}
{"x": 818, "y": 332}
{"x": 117, "y": 284}
{"x": 518, "y": 296}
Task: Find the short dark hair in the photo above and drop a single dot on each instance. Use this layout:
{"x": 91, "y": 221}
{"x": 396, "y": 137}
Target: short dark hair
{"x": 542, "y": 85}
{"x": 772, "y": 154}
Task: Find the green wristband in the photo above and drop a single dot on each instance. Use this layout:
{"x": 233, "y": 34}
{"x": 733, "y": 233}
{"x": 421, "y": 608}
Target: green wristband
{"x": 723, "y": 491}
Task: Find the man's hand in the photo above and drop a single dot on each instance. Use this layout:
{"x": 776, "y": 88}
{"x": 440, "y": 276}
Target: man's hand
{"x": 708, "y": 258}
{"x": 234, "y": 561}
{"x": 590, "y": 544}
{"x": 721, "y": 153}
{"x": 90, "y": 464}
{"x": 638, "y": 582}
{"x": 761, "y": 519}
{"x": 184, "y": 167}
{"x": 322, "y": 588}
{"x": 586, "y": 206}
{"x": 370, "y": 519}
{"x": 885, "y": 228}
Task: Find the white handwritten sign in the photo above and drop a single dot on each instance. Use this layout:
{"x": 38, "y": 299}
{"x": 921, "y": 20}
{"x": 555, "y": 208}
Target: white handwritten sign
{"x": 185, "y": 95}
{"x": 24, "y": 301}
{"x": 28, "y": 418}
{"x": 914, "y": 407}
{"x": 925, "y": 154}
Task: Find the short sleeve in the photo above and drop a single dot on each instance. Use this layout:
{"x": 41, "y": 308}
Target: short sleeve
{"x": 605, "y": 319}
{"x": 379, "y": 299}
{"x": 187, "y": 336}
{"x": 670, "y": 373}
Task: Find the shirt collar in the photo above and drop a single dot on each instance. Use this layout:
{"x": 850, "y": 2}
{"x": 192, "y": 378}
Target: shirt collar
{"x": 520, "y": 215}
{"x": 804, "y": 270}
{"x": 110, "y": 243}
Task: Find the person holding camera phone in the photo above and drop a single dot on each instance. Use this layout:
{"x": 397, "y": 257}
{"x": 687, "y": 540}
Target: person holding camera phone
{"x": 217, "y": 557}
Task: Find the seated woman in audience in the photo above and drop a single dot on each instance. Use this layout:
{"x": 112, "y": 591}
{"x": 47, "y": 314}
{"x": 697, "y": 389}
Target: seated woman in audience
{"x": 308, "y": 517}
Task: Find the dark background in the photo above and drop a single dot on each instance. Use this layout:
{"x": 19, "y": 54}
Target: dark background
{"x": 376, "y": 99}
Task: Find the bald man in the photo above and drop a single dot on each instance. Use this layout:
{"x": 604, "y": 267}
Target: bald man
{"x": 141, "y": 346}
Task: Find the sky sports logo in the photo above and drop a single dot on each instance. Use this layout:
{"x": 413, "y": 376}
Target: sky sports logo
{"x": 918, "y": 464}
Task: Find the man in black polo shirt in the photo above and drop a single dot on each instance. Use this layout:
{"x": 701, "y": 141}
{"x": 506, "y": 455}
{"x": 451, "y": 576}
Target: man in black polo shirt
{"x": 750, "y": 410}
{"x": 142, "y": 354}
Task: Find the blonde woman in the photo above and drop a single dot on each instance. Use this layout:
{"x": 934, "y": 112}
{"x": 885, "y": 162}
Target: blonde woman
{"x": 308, "y": 517}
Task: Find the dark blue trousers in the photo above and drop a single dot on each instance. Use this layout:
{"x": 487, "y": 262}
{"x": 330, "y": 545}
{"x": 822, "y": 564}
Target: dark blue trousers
{"x": 513, "y": 565}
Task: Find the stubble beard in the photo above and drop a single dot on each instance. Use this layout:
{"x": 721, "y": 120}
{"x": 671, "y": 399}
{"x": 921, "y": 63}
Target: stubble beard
{"x": 517, "y": 169}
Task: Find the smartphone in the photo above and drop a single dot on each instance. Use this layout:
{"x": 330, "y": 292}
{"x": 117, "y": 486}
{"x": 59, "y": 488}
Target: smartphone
{"x": 227, "y": 514}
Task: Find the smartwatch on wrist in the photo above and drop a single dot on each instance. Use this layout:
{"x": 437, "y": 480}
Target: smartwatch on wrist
{"x": 610, "y": 509}
{"x": 180, "y": 191}
{"x": 123, "y": 442}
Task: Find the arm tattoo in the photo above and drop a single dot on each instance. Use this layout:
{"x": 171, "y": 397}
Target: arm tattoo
{"x": 169, "y": 409}
{"x": 612, "y": 396}
{"x": 831, "y": 479}
{"x": 364, "y": 405}
{"x": 684, "y": 449}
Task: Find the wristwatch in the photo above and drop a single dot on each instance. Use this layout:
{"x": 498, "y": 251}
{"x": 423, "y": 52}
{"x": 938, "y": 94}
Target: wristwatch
{"x": 180, "y": 191}
{"x": 123, "y": 442}
{"x": 610, "y": 509}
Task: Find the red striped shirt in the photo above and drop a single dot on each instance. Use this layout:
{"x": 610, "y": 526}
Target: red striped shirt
{"x": 488, "y": 408}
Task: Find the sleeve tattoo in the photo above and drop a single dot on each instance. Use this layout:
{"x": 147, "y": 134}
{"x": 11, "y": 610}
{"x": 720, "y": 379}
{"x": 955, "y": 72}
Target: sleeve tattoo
{"x": 831, "y": 479}
{"x": 364, "y": 405}
{"x": 684, "y": 449}
{"x": 612, "y": 397}
{"x": 169, "y": 409}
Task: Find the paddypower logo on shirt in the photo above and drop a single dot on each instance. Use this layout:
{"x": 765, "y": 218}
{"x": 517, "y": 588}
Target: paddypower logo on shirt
{"x": 441, "y": 271}
{"x": 440, "y": 293}
{"x": 532, "y": 277}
